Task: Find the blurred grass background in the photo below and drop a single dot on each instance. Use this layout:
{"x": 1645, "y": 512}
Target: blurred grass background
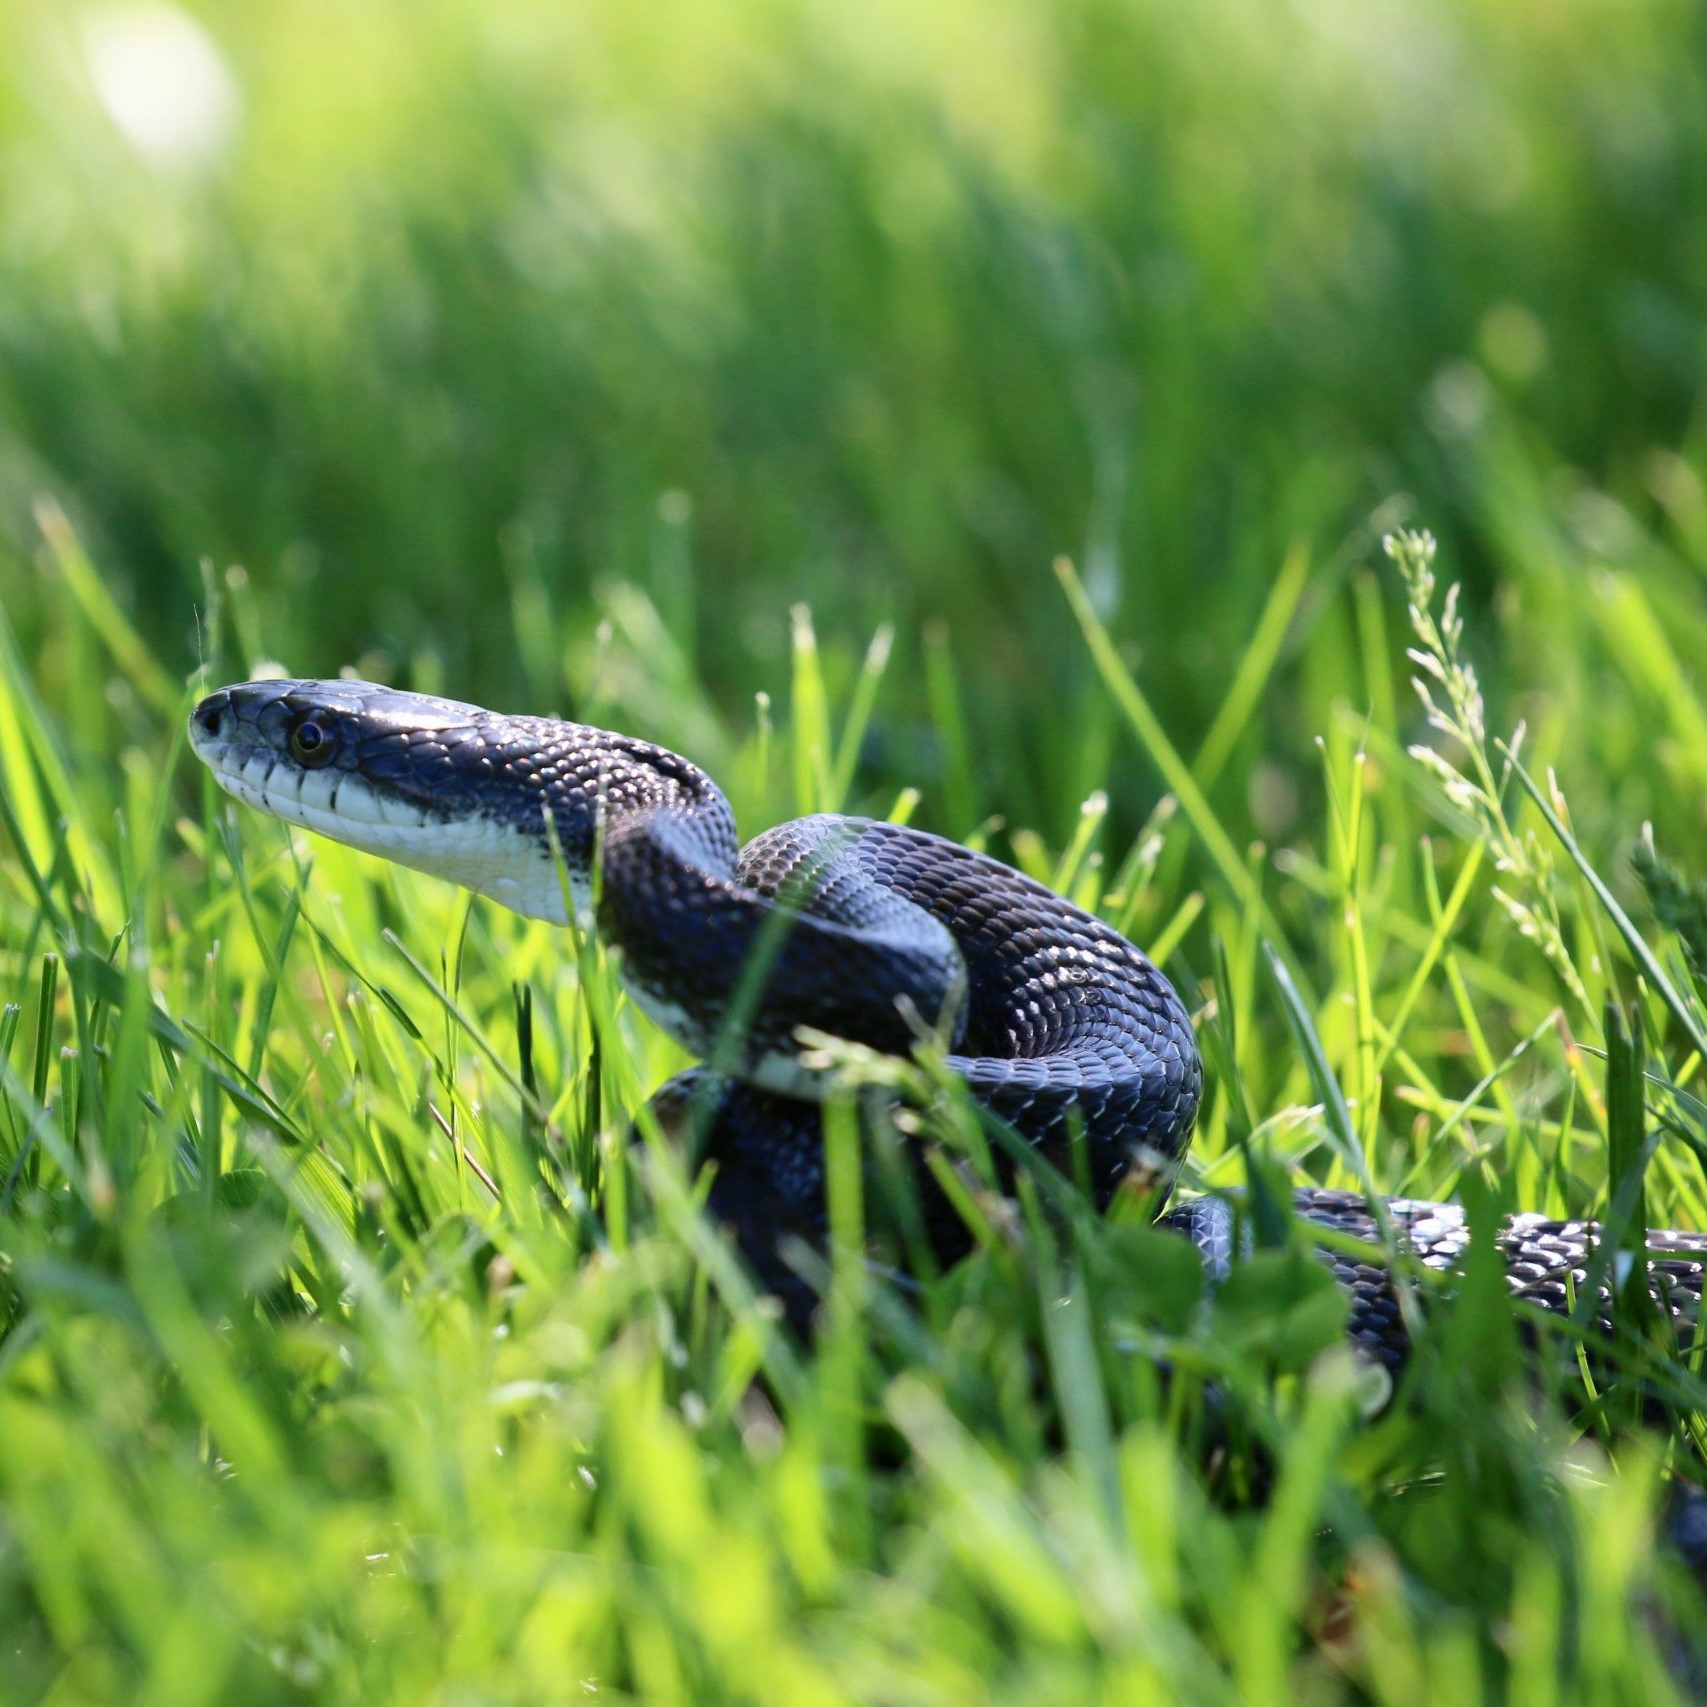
{"x": 444, "y": 320}
{"x": 553, "y": 357}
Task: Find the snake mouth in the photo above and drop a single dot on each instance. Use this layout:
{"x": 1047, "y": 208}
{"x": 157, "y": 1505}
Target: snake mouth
{"x": 342, "y": 807}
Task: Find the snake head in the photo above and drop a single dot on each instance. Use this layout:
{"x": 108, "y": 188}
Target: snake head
{"x": 451, "y": 789}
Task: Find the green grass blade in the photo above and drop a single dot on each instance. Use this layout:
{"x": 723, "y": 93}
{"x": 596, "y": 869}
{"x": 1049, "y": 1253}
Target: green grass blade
{"x": 1256, "y": 666}
{"x": 1151, "y": 736}
{"x": 1681, "y": 1009}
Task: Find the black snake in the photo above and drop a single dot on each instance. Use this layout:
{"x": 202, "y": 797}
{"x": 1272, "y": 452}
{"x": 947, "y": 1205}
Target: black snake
{"x": 868, "y": 931}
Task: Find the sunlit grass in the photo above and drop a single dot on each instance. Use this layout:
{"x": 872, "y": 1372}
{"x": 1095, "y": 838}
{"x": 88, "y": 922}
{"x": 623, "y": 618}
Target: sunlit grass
{"x": 732, "y": 376}
{"x": 353, "y": 1350}
{"x": 512, "y": 311}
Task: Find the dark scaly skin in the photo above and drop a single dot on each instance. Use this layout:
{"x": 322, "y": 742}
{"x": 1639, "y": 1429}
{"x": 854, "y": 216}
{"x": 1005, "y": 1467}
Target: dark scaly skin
{"x": 1546, "y": 1262}
{"x": 1065, "y": 1020}
{"x": 1054, "y": 1018}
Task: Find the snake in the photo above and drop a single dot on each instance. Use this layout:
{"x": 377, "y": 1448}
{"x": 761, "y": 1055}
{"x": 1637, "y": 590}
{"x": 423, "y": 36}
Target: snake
{"x": 832, "y": 926}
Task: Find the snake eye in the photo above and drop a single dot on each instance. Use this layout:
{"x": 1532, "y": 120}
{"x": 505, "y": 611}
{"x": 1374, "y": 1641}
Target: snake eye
{"x": 310, "y": 744}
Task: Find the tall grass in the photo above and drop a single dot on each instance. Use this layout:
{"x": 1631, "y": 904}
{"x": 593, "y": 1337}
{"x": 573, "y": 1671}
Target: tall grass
{"x": 352, "y": 1351}
{"x": 733, "y": 376}
{"x": 449, "y": 340}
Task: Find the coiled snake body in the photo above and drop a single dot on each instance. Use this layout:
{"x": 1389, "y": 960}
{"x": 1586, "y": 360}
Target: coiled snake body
{"x": 868, "y": 931}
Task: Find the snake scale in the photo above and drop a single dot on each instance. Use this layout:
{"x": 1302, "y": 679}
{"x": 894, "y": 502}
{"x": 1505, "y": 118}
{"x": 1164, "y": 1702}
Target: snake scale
{"x": 869, "y": 931}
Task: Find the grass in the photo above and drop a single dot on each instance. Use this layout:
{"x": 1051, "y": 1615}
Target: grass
{"x": 459, "y": 341}
{"x": 352, "y": 1352}
{"x": 732, "y": 376}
